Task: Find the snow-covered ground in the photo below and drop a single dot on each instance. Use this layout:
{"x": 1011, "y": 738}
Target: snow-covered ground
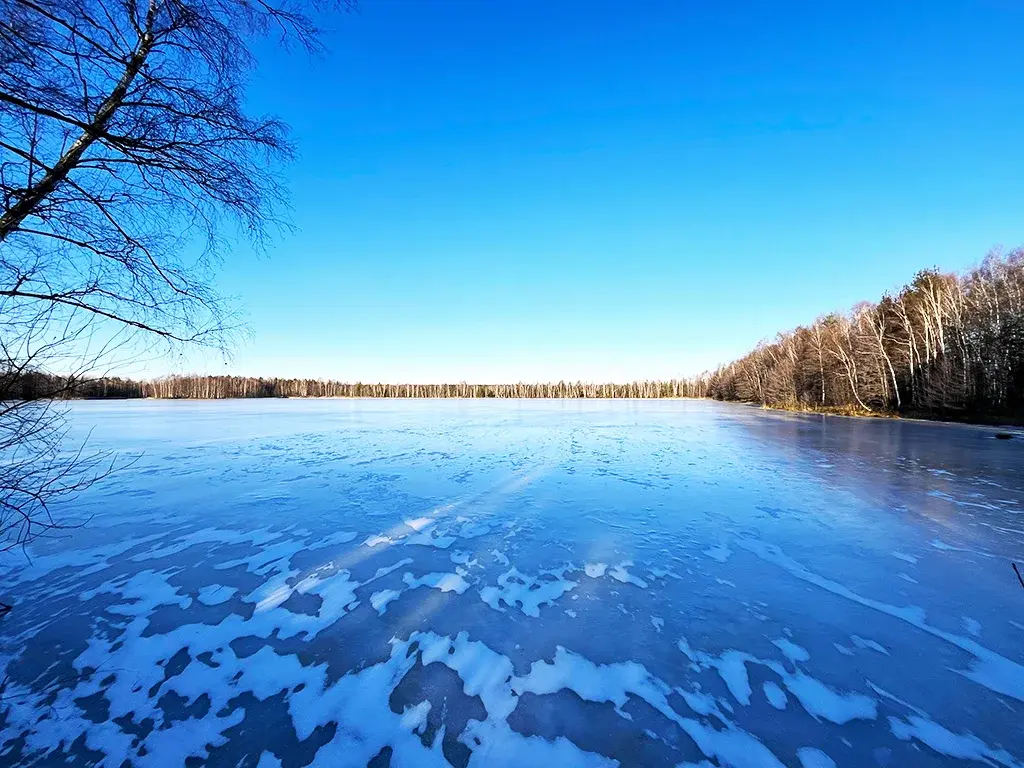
{"x": 522, "y": 583}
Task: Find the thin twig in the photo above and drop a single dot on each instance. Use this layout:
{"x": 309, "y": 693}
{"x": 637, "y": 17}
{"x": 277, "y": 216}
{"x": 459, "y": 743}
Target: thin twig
{"x": 1019, "y": 577}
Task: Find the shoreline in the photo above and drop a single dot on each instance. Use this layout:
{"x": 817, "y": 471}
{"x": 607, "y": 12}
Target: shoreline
{"x": 856, "y": 413}
{"x": 835, "y": 411}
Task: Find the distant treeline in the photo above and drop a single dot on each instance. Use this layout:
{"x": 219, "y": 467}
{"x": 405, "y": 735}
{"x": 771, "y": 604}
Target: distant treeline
{"x": 36, "y": 385}
{"x": 945, "y": 346}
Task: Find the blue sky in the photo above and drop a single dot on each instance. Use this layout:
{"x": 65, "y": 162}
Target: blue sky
{"x": 605, "y": 190}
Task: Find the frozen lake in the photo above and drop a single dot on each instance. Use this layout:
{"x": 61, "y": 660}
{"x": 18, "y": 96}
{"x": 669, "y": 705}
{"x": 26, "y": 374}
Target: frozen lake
{"x": 529, "y": 583}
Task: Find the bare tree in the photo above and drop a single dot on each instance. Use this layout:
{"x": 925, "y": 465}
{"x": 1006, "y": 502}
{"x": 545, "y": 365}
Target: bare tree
{"x": 945, "y": 345}
{"x": 224, "y": 387}
{"x": 127, "y": 162}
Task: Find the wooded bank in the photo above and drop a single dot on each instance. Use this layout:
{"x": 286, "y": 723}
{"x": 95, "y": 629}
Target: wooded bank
{"x": 948, "y": 346}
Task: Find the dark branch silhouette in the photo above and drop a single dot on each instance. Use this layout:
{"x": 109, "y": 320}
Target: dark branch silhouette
{"x": 127, "y": 163}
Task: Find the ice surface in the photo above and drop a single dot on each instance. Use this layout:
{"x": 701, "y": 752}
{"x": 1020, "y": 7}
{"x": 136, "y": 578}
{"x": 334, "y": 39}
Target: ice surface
{"x": 505, "y": 583}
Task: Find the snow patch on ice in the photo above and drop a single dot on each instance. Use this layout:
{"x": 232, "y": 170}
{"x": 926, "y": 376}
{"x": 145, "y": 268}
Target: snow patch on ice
{"x": 464, "y": 558}
{"x": 415, "y": 717}
{"x": 614, "y": 683}
{"x": 619, "y": 573}
{"x": 905, "y": 557}
{"x": 821, "y": 701}
{"x": 989, "y": 669}
{"x": 379, "y": 600}
{"x": 446, "y": 582}
{"x": 719, "y": 552}
{"x": 810, "y": 757}
{"x": 268, "y": 760}
{"x": 965, "y": 746}
{"x": 661, "y": 573}
{"x": 732, "y": 669}
{"x": 860, "y": 642}
{"x": 791, "y": 650}
{"x": 215, "y": 594}
{"x": 430, "y": 538}
{"x": 818, "y": 699}
{"x": 775, "y": 695}
{"x": 520, "y": 590}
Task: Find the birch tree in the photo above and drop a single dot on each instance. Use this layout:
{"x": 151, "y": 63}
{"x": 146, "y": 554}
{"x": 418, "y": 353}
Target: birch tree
{"x": 127, "y": 163}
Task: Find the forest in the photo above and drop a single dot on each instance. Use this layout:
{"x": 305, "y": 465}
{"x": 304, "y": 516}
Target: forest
{"x": 947, "y": 346}
{"x": 36, "y": 386}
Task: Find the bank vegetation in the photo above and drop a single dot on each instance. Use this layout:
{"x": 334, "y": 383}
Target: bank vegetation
{"x": 946, "y": 345}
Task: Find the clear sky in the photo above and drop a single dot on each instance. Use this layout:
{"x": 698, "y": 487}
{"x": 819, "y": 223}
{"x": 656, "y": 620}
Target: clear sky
{"x": 607, "y": 190}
